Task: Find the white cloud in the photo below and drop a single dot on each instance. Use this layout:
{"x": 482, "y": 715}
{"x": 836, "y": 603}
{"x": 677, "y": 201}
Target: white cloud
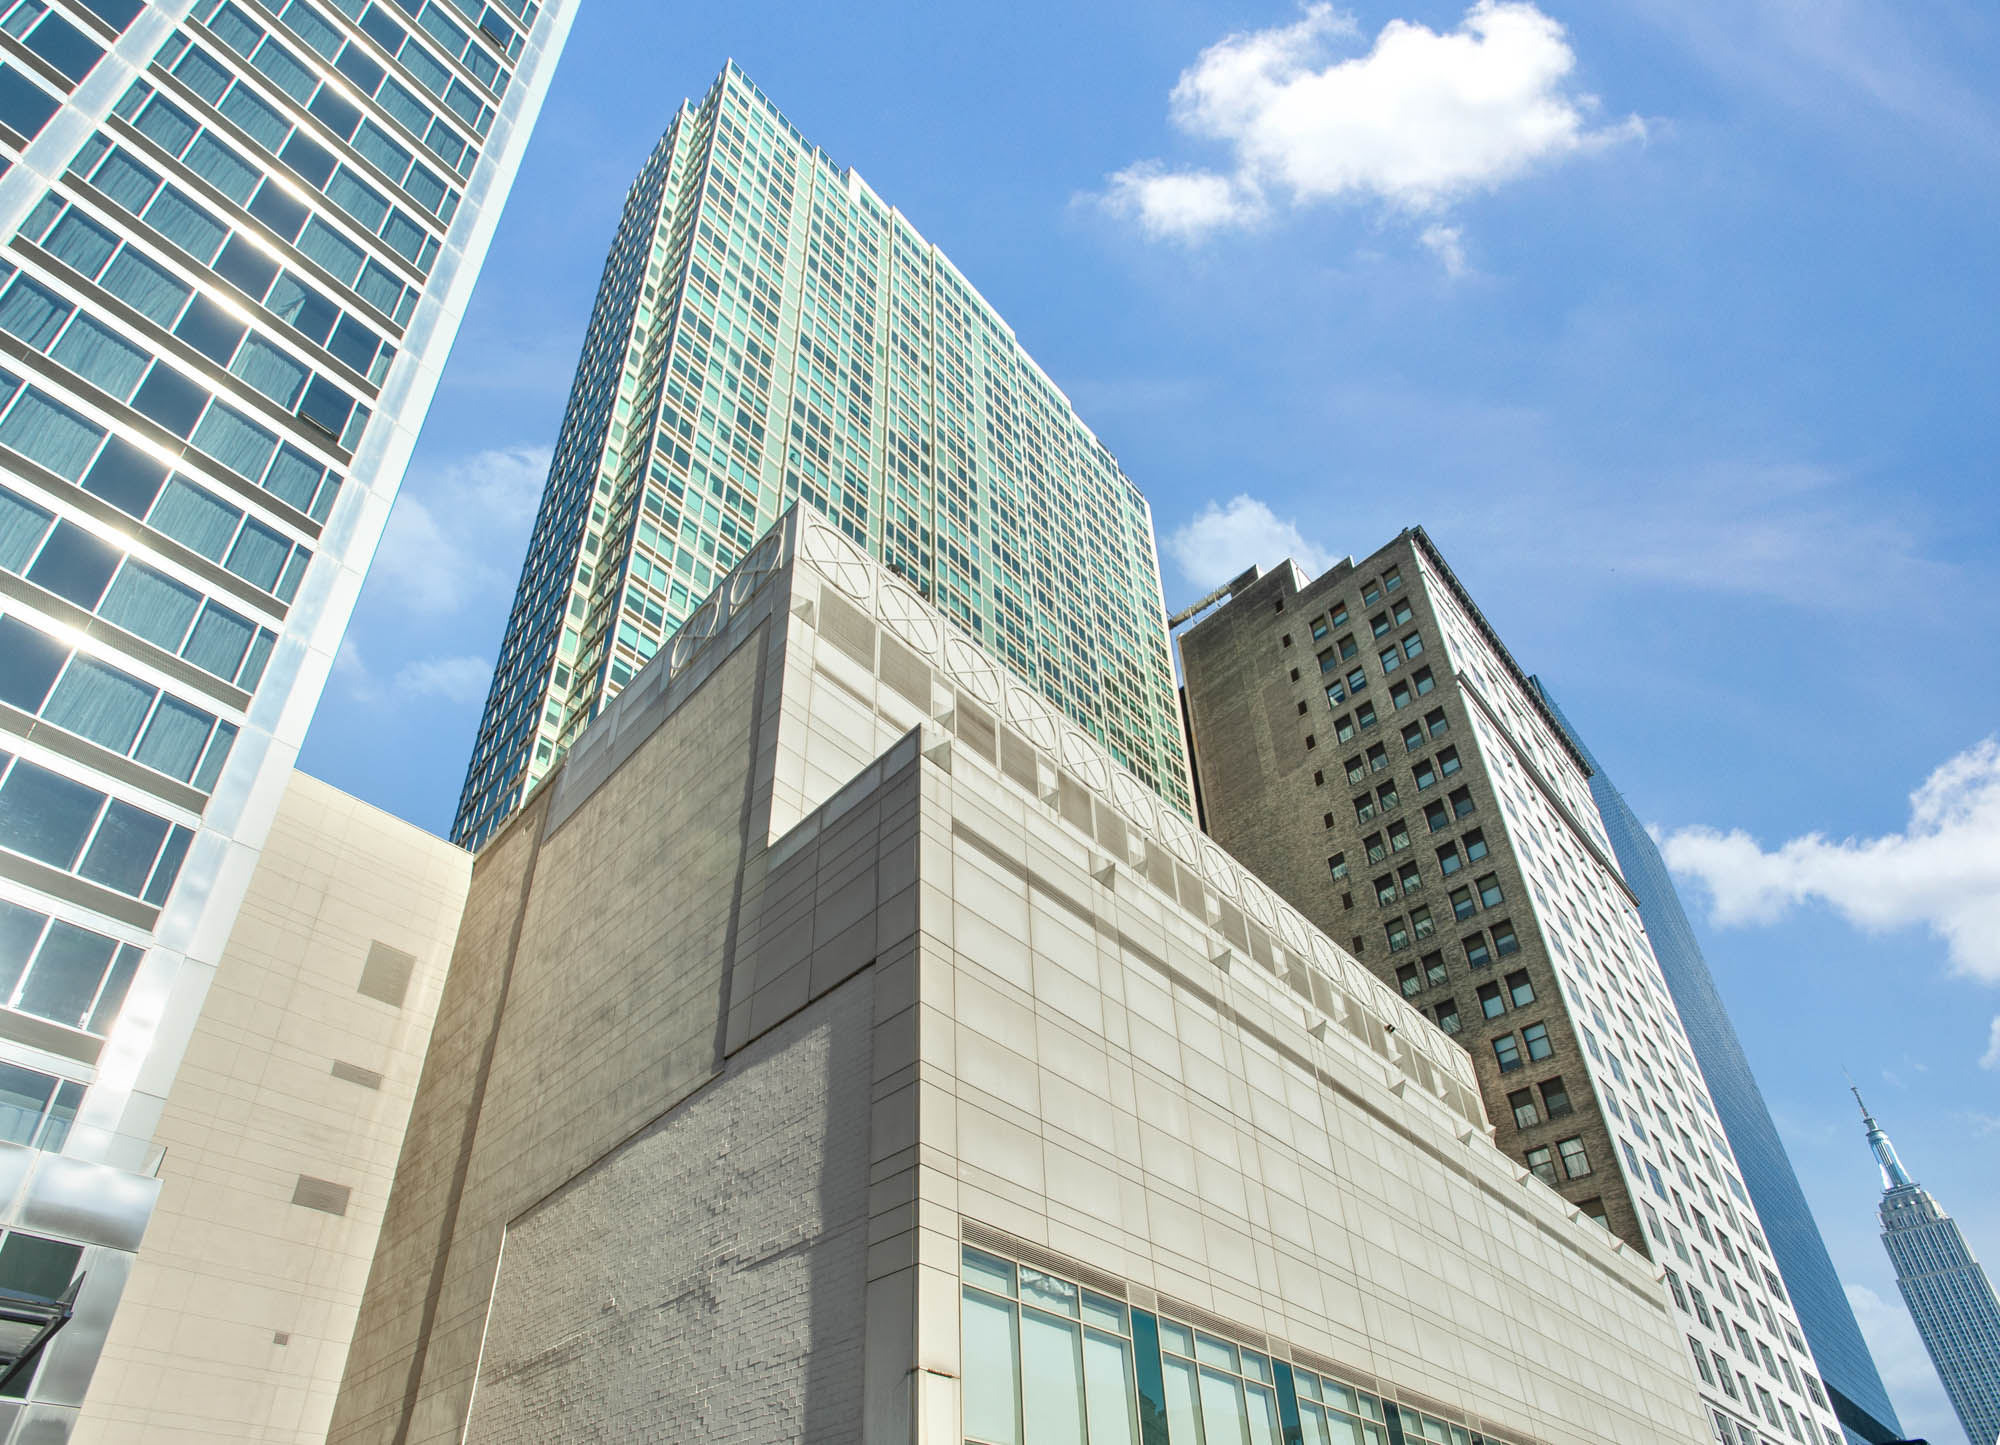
{"x": 1941, "y": 872}
{"x": 1421, "y": 120}
{"x": 1447, "y": 243}
{"x": 1223, "y": 539}
{"x": 455, "y": 679}
{"x": 456, "y": 536}
{"x": 1991, "y": 1059}
{"x": 460, "y": 680}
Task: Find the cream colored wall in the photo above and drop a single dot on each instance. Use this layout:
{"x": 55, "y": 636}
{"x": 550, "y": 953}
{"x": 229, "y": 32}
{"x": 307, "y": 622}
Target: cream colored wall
{"x": 231, "y": 1264}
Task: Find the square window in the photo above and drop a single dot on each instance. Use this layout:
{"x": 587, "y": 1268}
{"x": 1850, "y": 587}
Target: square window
{"x": 1536, "y": 1037}
{"x": 1522, "y": 1102}
{"x": 1364, "y": 714}
{"x": 1337, "y": 865}
{"x": 1434, "y": 973}
{"x": 1508, "y": 1052}
{"x": 1575, "y": 1158}
{"x": 1409, "y": 980}
{"x": 1447, "y": 760}
{"x": 1475, "y": 950}
{"x": 1436, "y": 723}
{"x": 1462, "y": 906}
{"x": 1399, "y": 836}
{"x": 1475, "y": 846}
{"x": 1490, "y": 1002}
{"x": 1385, "y": 889}
{"x": 1448, "y": 860}
{"x": 1541, "y": 1164}
{"x": 1555, "y": 1098}
{"x": 1504, "y": 941}
{"x": 1489, "y": 891}
{"x": 1447, "y": 1016}
{"x": 1413, "y": 738}
{"x": 1401, "y": 612}
{"x": 1519, "y": 991}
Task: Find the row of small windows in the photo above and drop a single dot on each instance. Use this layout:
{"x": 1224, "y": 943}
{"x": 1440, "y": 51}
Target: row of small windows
{"x": 63, "y": 973}
{"x": 309, "y": 160}
{"x": 189, "y": 514}
{"x": 1554, "y": 1104}
{"x": 453, "y": 39}
{"x": 1575, "y": 1159}
{"x": 94, "y": 352}
{"x": 108, "y": 706}
{"x": 89, "y": 572}
{"x": 67, "y": 443}
{"x": 325, "y": 103}
{"x": 92, "y": 251}
{"x": 77, "y": 829}
{"x": 1372, "y": 592}
{"x": 1045, "y": 1360}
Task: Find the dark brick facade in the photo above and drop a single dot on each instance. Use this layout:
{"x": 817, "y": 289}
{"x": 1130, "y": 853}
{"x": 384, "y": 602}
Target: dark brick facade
{"x": 1273, "y": 774}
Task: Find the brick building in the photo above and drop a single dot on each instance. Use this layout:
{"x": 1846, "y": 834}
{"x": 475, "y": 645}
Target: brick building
{"x": 1365, "y": 743}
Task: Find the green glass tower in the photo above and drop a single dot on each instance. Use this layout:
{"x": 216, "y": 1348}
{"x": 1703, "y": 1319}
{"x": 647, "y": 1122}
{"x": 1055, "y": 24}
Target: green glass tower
{"x": 769, "y": 331}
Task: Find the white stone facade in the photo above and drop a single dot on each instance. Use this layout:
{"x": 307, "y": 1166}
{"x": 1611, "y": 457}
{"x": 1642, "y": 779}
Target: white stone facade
{"x": 828, "y": 954}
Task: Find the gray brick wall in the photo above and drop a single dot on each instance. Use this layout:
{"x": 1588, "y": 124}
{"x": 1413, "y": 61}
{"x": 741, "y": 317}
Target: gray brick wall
{"x": 703, "y": 1282}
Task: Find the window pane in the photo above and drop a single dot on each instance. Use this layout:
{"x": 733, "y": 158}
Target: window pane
{"x": 1183, "y": 1412}
{"x": 47, "y": 432}
{"x": 21, "y": 527}
{"x": 147, "y": 288}
{"x": 270, "y": 370}
{"x": 235, "y": 441}
{"x": 1051, "y": 1380}
{"x": 121, "y": 855}
{"x": 219, "y": 641}
{"x": 152, "y": 606}
{"x": 196, "y": 519}
{"x": 29, "y": 662}
{"x": 1263, "y": 1407}
{"x": 174, "y": 738}
{"x": 1109, "y": 1393}
{"x": 24, "y": 1098}
{"x": 992, "y": 1370}
{"x": 36, "y": 1266}
{"x": 93, "y": 353}
{"x": 46, "y": 816}
{"x": 33, "y": 313}
{"x": 100, "y": 703}
{"x": 66, "y": 974}
{"x": 1222, "y": 1417}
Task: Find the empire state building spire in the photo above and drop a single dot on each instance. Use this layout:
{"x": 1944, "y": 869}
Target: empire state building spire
{"x": 1949, "y": 1295}
{"x": 1894, "y": 1175}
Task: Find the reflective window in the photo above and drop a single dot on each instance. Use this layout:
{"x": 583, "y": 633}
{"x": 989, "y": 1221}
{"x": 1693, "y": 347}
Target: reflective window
{"x": 1045, "y": 1360}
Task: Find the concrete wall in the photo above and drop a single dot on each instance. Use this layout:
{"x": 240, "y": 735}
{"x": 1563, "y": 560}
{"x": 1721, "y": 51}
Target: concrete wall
{"x": 282, "y": 1131}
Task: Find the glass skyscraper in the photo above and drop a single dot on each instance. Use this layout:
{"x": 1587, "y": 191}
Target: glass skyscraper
{"x": 1848, "y": 1369}
{"x": 767, "y": 331}
{"x": 1949, "y": 1295}
{"x": 239, "y": 237}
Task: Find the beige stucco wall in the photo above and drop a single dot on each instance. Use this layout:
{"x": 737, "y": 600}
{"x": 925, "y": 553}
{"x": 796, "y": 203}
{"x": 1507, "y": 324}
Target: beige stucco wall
{"x": 236, "y": 1321}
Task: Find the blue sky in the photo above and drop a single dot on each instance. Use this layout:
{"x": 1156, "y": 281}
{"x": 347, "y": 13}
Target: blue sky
{"x": 1670, "y": 319}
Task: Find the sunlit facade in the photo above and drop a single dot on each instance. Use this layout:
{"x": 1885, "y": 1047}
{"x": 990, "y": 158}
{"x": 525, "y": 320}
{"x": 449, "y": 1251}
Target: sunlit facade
{"x": 768, "y": 331}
